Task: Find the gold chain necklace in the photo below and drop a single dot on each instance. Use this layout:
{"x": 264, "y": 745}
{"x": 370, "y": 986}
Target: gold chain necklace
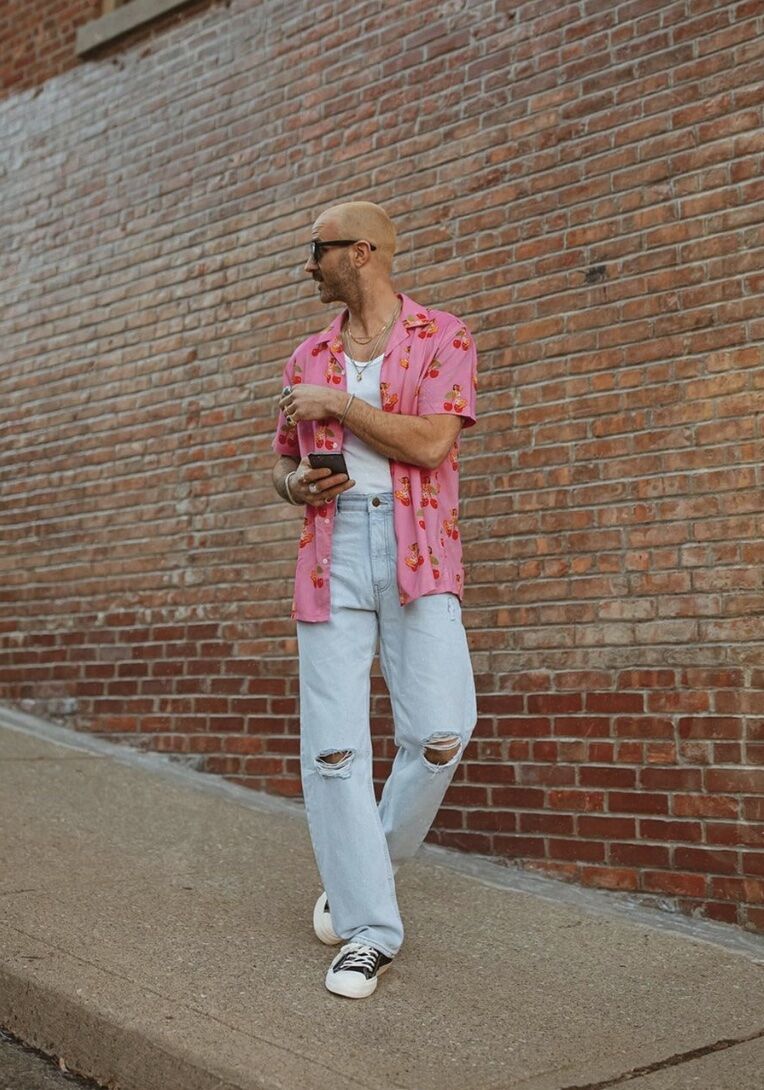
{"x": 380, "y": 337}
{"x": 362, "y": 340}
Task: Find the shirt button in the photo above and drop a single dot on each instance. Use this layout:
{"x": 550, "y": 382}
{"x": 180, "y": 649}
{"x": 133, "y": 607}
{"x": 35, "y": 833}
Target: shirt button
{"x": 376, "y": 501}
{"x": 325, "y": 560}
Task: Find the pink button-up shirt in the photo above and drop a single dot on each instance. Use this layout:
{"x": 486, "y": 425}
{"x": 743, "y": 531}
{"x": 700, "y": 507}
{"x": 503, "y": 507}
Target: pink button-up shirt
{"x": 429, "y": 367}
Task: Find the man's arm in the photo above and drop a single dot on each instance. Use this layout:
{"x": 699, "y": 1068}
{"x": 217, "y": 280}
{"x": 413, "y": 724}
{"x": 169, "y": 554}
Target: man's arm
{"x": 310, "y": 486}
{"x": 283, "y": 467}
{"x": 416, "y": 440}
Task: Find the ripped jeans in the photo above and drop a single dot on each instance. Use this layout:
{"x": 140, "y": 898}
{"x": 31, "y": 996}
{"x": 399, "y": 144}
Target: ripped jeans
{"x": 425, "y": 662}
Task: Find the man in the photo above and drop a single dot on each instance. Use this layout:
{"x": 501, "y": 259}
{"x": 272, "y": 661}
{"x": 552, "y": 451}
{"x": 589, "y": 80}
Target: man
{"x": 390, "y": 384}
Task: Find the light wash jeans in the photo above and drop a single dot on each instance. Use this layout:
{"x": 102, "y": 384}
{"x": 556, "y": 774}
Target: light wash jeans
{"x": 425, "y": 661}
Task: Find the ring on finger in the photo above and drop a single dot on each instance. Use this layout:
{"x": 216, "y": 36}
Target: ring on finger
{"x": 313, "y": 488}
{"x": 289, "y": 419}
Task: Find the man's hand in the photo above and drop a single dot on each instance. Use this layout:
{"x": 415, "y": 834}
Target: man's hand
{"x": 316, "y": 487}
{"x": 307, "y": 402}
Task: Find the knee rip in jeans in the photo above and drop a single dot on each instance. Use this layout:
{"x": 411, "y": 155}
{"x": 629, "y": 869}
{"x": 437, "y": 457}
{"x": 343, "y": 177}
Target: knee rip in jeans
{"x": 335, "y": 762}
{"x": 441, "y": 751}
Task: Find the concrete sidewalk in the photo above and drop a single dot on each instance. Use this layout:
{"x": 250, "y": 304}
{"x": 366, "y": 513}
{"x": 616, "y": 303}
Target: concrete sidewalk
{"x": 155, "y": 933}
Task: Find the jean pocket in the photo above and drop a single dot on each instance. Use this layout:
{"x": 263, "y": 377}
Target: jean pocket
{"x": 454, "y": 608}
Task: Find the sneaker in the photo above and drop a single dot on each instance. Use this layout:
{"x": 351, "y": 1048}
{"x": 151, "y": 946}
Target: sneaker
{"x": 355, "y": 969}
{"x": 322, "y": 922}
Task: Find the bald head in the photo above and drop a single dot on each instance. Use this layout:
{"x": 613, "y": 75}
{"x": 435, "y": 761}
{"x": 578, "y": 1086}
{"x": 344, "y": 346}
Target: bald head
{"x": 363, "y": 220}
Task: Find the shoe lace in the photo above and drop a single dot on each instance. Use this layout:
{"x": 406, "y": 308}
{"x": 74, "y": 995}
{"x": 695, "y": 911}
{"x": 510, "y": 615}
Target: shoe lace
{"x": 358, "y": 956}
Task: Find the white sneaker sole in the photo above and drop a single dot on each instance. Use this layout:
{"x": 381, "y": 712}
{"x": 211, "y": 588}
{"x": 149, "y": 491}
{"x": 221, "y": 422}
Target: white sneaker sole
{"x": 322, "y": 925}
{"x": 354, "y": 985}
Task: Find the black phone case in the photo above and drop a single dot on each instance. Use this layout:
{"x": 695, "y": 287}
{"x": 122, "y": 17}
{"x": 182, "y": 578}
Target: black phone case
{"x": 328, "y": 460}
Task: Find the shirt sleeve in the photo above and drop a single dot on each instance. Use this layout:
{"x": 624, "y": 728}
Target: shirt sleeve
{"x": 285, "y": 440}
{"x": 449, "y": 384}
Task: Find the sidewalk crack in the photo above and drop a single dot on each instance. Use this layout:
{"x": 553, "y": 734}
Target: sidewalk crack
{"x": 671, "y": 1061}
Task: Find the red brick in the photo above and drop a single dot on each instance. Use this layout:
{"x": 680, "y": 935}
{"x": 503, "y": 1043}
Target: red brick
{"x": 518, "y": 847}
{"x": 609, "y": 878}
{"x": 638, "y": 855}
{"x": 526, "y": 727}
{"x": 643, "y": 726}
{"x": 689, "y": 885}
{"x": 588, "y": 851}
{"x": 707, "y": 860}
{"x": 753, "y": 809}
{"x": 615, "y": 702}
{"x": 609, "y": 776}
{"x": 671, "y": 779}
{"x": 710, "y": 727}
{"x": 546, "y": 774}
{"x": 748, "y": 781}
{"x": 739, "y": 889}
{"x": 704, "y": 806}
{"x": 590, "y": 825}
{"x": 576, "y": 800}
{"x": 491, "y": 820}
{"x": 637, "y": 802}
{"x": 655, "y": 829}
{"x": 553, "y": 703}
{"x": 556, "y": 824}
{"x": 530, "y": 798}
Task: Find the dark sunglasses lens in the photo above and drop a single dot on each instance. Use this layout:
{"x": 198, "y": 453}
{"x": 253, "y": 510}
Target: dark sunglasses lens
{"x": 315, "y": 252}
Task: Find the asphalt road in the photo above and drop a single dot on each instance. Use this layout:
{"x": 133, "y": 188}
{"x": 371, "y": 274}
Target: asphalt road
{"x": 23, "y": 1069}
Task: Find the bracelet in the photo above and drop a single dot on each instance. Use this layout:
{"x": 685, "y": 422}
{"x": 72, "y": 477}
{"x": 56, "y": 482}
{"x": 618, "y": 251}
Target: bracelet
{"x": 289, "y": 496}
{"x": 351, "y": 399}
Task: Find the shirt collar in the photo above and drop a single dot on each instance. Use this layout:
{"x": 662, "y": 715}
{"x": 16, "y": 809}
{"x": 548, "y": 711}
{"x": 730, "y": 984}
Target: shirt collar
{"x": 412, "y": 316}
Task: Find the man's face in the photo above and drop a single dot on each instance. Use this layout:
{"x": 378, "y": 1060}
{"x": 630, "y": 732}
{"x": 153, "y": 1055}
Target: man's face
{"x": 334, "y": 272}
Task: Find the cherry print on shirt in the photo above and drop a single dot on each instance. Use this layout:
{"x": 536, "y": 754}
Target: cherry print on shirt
{"x": 414, "y": 559}
{"x": 450, "y": 525}
{"x": 334, "y": 371}
{"x": 321, "y": 346}
{"x": 317, "y": 577}
{"x": 434, "y": 563}
{"x": 403, "y": 494}
{"x": 325, "y": 437}
{"x": 429, "y": 329}
{"x": 434, "y": 369}
{"x": 389, "y": 401}
{"x": 429, "y": 491}
{"x": 462, "y": 340}
{"x": 306, "y": 536}
{"x": 420, "y": 517}
{"x": 455, "y": 401}
{"x": 288, "y": 435}
{"x": 453, "y": 455}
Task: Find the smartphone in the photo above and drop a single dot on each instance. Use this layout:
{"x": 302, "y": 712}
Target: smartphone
{"x": 320, "y": 459}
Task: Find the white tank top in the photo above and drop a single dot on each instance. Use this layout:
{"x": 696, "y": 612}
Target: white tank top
{"x": 369, "y": 470}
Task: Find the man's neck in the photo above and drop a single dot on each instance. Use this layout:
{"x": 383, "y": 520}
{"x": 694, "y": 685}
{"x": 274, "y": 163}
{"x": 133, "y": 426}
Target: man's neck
{"x": 367, "y": 316}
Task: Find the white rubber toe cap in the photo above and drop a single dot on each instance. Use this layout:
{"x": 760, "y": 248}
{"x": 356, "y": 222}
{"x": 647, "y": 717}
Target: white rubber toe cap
{"x": 322, "y": 923}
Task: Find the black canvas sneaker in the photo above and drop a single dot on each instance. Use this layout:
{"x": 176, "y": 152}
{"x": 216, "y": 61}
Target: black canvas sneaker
{"x": 355, "y": 970}
{"x": 322, "y": 922}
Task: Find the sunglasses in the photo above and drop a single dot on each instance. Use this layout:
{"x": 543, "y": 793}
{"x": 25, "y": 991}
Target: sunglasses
{"x": 317, "y": 248}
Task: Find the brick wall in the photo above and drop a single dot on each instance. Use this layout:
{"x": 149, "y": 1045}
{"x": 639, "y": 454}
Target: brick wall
{"x": 582, "y": 183}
